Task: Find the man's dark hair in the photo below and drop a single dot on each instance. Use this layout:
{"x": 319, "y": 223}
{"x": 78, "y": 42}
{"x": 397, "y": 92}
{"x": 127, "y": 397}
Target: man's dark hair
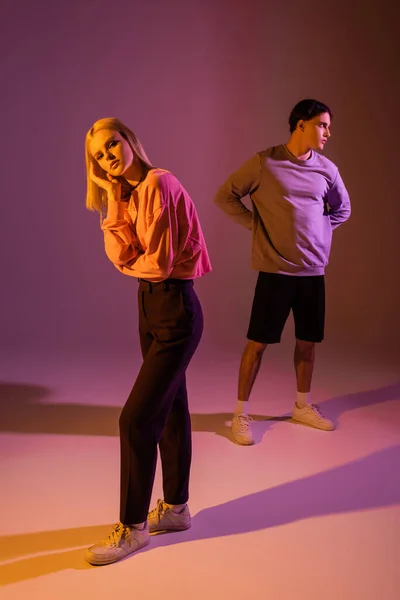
{"x": 307, "y": 110}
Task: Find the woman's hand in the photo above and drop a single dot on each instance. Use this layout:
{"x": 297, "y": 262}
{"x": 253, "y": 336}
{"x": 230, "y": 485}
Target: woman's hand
{"x": 111, "y": 185}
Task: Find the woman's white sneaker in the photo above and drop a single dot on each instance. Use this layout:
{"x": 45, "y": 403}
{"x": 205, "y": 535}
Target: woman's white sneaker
{"x": 163, "y": 518}
{"x": 123, "y": 540}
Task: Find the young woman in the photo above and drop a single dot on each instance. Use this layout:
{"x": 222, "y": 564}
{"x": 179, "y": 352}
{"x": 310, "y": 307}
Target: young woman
{"x": 151, "y": 232}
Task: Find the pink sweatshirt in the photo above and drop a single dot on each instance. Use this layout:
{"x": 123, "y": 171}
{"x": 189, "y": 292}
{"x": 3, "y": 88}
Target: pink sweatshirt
{"x": 156, "y": 235}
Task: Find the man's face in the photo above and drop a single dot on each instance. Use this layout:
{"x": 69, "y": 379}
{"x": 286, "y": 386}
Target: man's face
{"x": 316, "y": 132}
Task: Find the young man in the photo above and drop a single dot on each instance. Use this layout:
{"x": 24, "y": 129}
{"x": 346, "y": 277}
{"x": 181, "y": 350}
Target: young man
{"x": 297, "y": 198}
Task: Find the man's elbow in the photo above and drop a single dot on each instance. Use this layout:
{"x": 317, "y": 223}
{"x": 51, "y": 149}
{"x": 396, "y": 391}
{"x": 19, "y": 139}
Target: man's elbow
{"x": 217, "y": 200}
{"x": 221, "y": 197}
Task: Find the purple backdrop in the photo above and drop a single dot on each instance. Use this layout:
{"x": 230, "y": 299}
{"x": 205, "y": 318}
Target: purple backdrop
{"x": 204, "y": 84}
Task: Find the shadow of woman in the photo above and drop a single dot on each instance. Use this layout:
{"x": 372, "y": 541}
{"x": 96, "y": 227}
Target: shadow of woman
{"x": 23, "y": 410}
{"x": 360, "y": 485}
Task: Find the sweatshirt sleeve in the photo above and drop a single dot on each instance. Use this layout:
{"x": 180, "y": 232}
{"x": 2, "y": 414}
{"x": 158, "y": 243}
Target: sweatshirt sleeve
{"x": 242, "y": 182}
{"x": 121, "y": 244}
{"x": 339, "y": 202}
{"x": 155, "y": 260}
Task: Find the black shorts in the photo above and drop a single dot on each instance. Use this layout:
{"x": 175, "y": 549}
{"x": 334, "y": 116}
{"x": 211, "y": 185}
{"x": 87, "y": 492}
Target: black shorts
{"x": 275, "y": 295}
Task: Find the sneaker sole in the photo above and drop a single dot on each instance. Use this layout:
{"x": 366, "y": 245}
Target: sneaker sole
{"x": 170, "y": 529}
{"x": 331, "y": 428}
{"x": 240, "y": 443}
{"x": 99, "y": 561}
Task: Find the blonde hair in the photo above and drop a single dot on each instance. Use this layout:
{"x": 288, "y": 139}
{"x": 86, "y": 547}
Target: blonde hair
{"x": 96, "y": 197}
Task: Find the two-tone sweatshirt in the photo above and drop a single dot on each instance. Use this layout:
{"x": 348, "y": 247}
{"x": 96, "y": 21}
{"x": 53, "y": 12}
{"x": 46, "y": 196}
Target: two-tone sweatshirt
{"x": 295, "y": 204}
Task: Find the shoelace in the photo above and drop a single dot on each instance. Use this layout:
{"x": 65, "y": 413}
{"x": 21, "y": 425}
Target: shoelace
{"x": 244, "y": 422}
{"x": 117, "y": 534}
{"x": 159, "y": 510}
{"x": 316, "y": 410}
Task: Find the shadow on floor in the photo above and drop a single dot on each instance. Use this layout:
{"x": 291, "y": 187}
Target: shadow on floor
{"x": 23, "y": 410}
{"x": 364, "y": 484}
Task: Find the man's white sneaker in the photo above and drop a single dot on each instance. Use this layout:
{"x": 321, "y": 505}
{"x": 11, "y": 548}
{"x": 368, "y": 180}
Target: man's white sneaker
{"x": 311, "y": 415}
{"x": 241, "y": 429}
{"x": 123, "y": 540}
{"x": 163, "y": 518}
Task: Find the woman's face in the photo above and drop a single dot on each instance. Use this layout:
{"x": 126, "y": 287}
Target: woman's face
{"x": 111, "y": 151}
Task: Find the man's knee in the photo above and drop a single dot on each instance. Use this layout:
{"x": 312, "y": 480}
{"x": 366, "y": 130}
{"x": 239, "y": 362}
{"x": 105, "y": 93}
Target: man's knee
{"x": 256, "y": 347}
{"x": 305, "y": 350}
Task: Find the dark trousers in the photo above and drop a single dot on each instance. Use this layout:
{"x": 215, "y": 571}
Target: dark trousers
{"x": 156, "y": 412}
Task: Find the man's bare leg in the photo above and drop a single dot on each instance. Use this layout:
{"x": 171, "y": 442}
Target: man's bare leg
{"x": 305, "y": 412}
{"x": 304, "y": 358}
{"x": 249, "y": 367}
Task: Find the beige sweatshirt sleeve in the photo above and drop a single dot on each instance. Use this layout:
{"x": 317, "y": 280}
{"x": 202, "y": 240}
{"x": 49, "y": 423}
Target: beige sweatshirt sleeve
{"x": 154, "y": 258}
{"x": 157, "y": 262}
{"x": 242, "y": 182}
{"x": 121, "y": 245}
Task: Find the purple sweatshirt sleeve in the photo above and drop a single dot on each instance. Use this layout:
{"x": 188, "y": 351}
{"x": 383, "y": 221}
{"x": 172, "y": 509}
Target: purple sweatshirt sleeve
{"x": 242, "y": 182}
{"x": 339, "y": 202}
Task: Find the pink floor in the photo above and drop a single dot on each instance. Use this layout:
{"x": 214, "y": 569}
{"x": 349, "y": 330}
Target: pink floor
{"x": 302, "y": 514}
